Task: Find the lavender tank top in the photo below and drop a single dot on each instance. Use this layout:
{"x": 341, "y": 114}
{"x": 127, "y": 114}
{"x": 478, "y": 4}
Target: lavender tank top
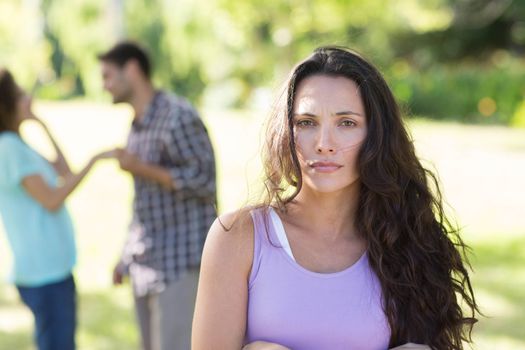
{"x": 306, "y": 310}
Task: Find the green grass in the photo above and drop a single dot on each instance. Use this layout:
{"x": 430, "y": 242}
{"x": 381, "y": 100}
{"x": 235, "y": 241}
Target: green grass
{"x": 482, "y": 170}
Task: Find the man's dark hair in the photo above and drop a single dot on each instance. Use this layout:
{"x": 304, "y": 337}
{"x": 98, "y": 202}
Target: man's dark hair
{"x": 124, "y": 51}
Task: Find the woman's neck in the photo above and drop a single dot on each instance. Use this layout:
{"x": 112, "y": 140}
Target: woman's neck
{"x": 328, "y": 214}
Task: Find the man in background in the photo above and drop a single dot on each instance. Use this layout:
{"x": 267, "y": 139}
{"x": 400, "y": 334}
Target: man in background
{"x": 170, "y": 157}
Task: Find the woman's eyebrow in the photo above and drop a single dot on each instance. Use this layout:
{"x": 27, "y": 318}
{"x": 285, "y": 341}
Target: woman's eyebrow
{"x": 348, "y": 112}
{"x": 305, "y": 114}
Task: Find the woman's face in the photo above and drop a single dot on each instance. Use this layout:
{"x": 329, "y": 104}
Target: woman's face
{"x": 23, "y": 106}
{"x": 329, "y": 126}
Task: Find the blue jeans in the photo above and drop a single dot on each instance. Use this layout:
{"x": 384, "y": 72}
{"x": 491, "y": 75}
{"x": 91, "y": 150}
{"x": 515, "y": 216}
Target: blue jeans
{"x": 54, "y": 308}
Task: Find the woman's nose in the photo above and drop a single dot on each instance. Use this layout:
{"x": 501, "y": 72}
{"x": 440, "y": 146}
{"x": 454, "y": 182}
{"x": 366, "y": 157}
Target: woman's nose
{"x": 325, "y": 141}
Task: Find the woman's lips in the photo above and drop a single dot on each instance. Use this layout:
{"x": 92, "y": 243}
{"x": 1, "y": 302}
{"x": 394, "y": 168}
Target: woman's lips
{"x": 325, "y": 167}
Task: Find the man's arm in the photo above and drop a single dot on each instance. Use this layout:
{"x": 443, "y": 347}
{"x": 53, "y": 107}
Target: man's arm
{"x": 135, "y": 166}
{"x": 189, "y": 149}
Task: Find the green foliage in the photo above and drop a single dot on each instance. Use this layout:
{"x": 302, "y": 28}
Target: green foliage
{"x": 466, "y": 93}
{"x": 22, "y": 49}
{"x": 223, "y": 53}
{"x": 499, "y": 281}
{"x": 518, "y": 119}
{"x": 81, "y": 29}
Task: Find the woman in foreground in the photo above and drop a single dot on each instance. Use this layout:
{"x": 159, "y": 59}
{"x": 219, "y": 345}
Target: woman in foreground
{"x": 351, "y": 249}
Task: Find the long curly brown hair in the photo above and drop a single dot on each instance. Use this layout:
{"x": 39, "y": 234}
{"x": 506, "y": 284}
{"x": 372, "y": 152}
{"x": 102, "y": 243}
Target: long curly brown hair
{"x": 413, "y": 248}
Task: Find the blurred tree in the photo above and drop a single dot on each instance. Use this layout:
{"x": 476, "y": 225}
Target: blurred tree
{"x": 266, "y": 38}
{"x": 78, "y": 29}
{"x": 23, "y": 49}
{"x": 466, "y": 55}
{"x": 226, "y": 53}
{"x": 228, "y": 48}
{"x": 173, "y": 33}
{"x": 477, "y": 29}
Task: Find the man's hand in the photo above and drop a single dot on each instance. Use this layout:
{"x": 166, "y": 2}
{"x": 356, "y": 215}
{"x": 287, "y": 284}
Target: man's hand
{"x": 118, "y": 274}
{"x": 126, "y": 160}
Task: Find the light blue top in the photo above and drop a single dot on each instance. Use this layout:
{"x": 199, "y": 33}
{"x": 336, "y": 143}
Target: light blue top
{"x": 42, "y": 242}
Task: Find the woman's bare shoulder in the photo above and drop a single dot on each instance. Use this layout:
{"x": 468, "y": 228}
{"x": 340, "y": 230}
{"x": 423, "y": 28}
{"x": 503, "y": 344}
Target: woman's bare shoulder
{"x": 231, "y": 239}
{"x": 235, "y": 222}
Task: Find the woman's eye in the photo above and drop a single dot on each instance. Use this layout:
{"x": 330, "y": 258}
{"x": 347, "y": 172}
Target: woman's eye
{"x": 304, "y": 122}
{"x": 348, "y": 123}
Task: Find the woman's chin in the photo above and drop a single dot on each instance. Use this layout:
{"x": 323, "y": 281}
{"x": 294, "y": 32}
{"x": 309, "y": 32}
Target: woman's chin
{"x": 324, "y": 188}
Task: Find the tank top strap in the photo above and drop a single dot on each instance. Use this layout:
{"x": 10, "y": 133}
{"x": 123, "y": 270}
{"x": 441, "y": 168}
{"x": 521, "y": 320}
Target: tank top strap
{"x": 263, "y": 238}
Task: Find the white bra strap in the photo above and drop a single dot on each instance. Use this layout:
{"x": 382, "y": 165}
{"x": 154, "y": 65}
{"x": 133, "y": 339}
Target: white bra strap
{"x": 281, "y": 234}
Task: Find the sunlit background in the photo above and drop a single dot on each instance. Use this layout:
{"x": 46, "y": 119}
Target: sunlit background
{"x": 456, "y": 67}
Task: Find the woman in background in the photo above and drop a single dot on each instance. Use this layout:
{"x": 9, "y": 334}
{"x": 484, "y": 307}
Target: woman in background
{"x": 351, "y": 249}
{"x": 37, "y": 224}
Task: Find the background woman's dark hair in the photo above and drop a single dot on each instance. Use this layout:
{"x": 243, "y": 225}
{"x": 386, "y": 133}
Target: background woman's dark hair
{"x": 415, "y": 251}
{"x": 9, "y": 94}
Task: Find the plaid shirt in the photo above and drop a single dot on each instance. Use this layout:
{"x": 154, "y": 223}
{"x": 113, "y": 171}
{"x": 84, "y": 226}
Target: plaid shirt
{"x": 169, "y": 227}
